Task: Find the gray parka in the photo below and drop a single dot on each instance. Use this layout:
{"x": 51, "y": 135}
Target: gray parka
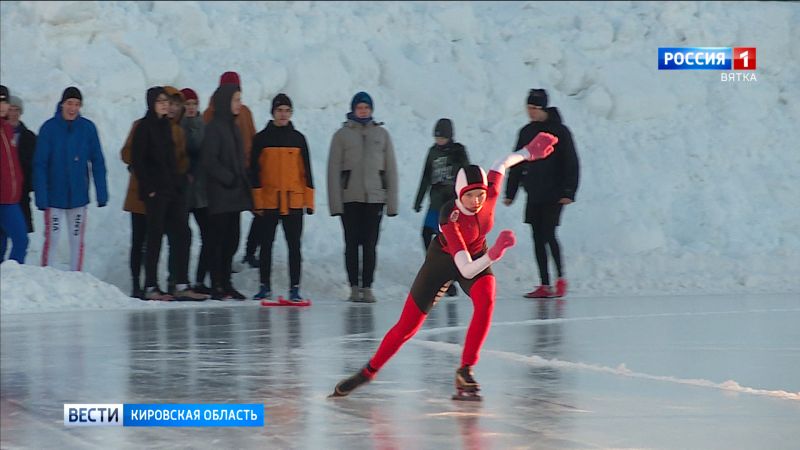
{"x": 362, "y": 167}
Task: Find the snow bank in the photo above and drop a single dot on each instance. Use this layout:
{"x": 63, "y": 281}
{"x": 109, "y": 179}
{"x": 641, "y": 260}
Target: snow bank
{"x": 27, "y": 288}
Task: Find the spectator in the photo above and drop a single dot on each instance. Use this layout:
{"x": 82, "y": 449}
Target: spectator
{"x": 445, "y": 158}
{"x": 247, "y": 128}
{"x": 25, "y": 140}
{"x": 194, "y": 128}
{"x": 551, "y": 184}
{"x": 161, "y": 187}
{"x": 68, "y": 148}
{"x": 175, "y": 114}
{"x": 283, "y": 190}
{"x": 228, "y": 186}
{"x": 362, "y": 180}
{"x": 12, "y": 222}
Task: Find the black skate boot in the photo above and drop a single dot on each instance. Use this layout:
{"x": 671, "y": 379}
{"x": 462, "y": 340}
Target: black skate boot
{"x": 466, "y": 386}
{"x": 348, "y": 385}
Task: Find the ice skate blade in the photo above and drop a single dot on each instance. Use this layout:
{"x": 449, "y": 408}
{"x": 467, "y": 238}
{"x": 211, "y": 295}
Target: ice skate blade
{"x": 336, "y": 394}
{"x": 283, "y": 302}
{"x": 467, "y": 397}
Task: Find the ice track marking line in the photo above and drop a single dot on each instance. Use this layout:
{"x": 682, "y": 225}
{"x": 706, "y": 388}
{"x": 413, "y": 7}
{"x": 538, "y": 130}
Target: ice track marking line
{"x": 621, "y": 370}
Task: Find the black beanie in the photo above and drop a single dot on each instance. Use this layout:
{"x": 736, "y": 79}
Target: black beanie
{"x": 71, "y": 92}
{"x": 280, "y": 100}
{"x": 537, "y": 97}
{"x": 4, "y": 94}
{"x": 444, "y": 129}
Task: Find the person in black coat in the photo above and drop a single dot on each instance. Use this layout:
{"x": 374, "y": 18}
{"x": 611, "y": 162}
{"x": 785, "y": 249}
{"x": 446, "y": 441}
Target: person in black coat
{"x": 162, "y": 188}
{"x": 550, "y": 183}
{"x": 228, "y": 187}
{"x": 25, "y": 141}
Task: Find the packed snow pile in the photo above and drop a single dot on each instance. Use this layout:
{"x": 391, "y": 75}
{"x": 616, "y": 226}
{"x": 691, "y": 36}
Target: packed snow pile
{"x": 27, "y": 288}
{"x": 688, "y": 183}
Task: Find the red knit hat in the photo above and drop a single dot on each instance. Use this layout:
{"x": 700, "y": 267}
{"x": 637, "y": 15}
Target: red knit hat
{"x": 230, "y": 78}
{"x": 189, "y": 94}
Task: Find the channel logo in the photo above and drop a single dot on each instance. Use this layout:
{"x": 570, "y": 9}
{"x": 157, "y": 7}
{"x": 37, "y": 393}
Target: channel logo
{"x": 706, "y": 58}
{"x": 163, "y": 415}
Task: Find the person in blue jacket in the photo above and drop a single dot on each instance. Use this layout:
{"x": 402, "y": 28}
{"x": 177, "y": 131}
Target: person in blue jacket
{"x": 67, "y": 150}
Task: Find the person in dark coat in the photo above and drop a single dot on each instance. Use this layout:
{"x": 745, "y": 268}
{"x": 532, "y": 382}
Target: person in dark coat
{"x": 550, "y": 183}
{"x": 194, "y": 127}
{"x": 228, "y": 187}
{"x": 162, "y": 188}
{"x": 445, "y": 158}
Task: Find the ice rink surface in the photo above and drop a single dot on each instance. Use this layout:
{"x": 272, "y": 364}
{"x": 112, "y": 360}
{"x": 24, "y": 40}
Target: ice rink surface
{"x": 702, "y": 372}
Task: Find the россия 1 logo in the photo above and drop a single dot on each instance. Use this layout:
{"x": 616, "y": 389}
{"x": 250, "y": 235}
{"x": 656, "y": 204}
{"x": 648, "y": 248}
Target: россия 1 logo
{"x": 711, "y": 58}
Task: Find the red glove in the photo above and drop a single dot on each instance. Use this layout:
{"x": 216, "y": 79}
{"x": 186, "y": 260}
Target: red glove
{"x": 504, "y": 241}
{"x": 541, "y": 146}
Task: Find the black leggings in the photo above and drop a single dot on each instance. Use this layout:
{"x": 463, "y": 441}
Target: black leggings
{"x": 224, "y": 241}
{"x": 170, "y": 216}
{"x": 292, "y": 230}
{"x": 361, "y": 223}
{"x": 254, "y": 236}
{"x": 544, "y": 219}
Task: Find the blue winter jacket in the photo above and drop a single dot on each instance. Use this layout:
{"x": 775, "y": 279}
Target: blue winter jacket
{"x": 64, "y": 151}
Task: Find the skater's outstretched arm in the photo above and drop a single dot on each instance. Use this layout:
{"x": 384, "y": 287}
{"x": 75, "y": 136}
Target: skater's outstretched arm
{"x": 540, "y": 147}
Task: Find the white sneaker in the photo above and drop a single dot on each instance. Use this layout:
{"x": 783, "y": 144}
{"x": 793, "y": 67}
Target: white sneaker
{"x": 355, "y": 294}
{"x": 367, "y": 296}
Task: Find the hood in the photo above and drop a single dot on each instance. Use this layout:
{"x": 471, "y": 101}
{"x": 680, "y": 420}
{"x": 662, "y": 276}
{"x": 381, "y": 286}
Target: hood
{"x": 222, "y": 101}
{"x": 152, "y": 95}
{"x": 553, "y": 115}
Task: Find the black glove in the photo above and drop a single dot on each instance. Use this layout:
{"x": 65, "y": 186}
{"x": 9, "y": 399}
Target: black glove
{"x": 310, "y": 211}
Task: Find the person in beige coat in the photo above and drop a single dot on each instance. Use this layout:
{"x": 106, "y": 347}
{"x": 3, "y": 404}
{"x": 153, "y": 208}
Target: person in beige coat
{"x": 362, "y": 180}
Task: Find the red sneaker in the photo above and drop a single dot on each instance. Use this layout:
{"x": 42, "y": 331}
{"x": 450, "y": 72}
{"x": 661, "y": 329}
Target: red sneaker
{"x": 543, "y": 291}
{"x": 561, "y": 287}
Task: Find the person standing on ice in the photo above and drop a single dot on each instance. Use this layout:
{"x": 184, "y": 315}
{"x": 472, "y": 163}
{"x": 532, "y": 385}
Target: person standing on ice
{"x": 228, "y": 187}
{"x": 197, "y": 197}
{"x": 247, "y": 128}
{"x": 362, "y": 179}
{"x": 551, "y": 184}
{"x": 161, "y": 186}
{"x": 174, "y": 114}
{"x": 283, "y": 190}
{"x": 25, "y": 140}
{"x": 67, "y": 149}
{"x": 12, "y": 222}
{"x": 458, "y": 254}
{"x": 443, "y": 162}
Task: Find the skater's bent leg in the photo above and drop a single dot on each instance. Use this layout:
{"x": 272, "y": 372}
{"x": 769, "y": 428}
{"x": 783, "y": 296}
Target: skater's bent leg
{"x": 411, "y": 320}
{"x": 482, "y": 293}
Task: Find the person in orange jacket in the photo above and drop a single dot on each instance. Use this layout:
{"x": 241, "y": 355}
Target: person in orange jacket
{"x": 283, "y": 190}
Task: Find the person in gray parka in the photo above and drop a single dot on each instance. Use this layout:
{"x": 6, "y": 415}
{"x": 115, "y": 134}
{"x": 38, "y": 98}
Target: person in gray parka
{"x": 362, "y": 179}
